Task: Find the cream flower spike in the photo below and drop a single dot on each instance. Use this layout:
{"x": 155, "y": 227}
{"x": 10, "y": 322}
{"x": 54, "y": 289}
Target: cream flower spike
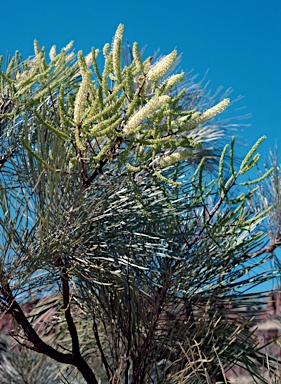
{"x": 89, "y": 59}
{"x": 216, "y": 110}
{"x": 69, "y": 46}
{"x": 161, "y": 67}
{"x": 137, "y": 57}
{"x": 37, "y": 49}
{"x": 116, "y": 51}
{"x": 166, "y": 161}
{"x": 53, "y": 53}
{"x": 171, "y": 81}
{"x": 208, "y": 115}
{"x": 82, "y": 94}
{"x": 151, "y": 107}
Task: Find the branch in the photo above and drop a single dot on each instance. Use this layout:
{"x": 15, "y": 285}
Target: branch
{"x": 158, "y": 308}
{"x": 66, "y": 309}
{"x": 16, "y": 311}
{"x": 104, "y": 360}
{"x": 212, "y": 213}
{"x": 80, "y": 362}
{"x": 99, "y": 168}
{"x": 267, "y": 249}
{"x": 38, "y": 344}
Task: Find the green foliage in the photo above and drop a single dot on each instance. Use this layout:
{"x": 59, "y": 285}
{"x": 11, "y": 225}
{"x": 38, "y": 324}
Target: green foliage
{"x": 21, "y": 365}
{"x": 100, "y": 116}
{"x": 116, "y": 205}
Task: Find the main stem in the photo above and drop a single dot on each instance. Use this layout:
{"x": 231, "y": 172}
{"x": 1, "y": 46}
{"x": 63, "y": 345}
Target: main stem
{"x": 39, "y": 345}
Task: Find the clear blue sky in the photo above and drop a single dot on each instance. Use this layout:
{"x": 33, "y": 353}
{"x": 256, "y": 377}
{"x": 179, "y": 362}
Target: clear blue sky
{"x": 237, "y": 41}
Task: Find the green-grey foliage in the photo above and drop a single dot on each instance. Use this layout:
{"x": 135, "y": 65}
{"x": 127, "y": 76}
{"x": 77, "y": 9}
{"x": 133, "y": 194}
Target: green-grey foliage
{"x": 269, "y": 195}
{"x": 21, "y": 365}
{"x": 113, "y": 211}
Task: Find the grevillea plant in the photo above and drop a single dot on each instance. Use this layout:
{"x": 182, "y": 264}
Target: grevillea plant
{"x": 132, "y": 237}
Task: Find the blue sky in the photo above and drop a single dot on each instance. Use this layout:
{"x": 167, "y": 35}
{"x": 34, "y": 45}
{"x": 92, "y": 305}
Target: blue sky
{"x": 238, "y": 42}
